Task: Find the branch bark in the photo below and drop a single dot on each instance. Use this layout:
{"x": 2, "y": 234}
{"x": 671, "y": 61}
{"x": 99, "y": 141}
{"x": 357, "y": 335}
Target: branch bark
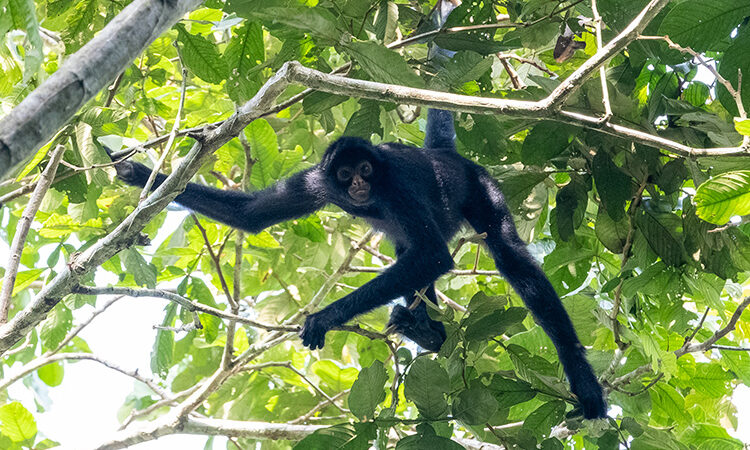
{"x": 19, "y": 239}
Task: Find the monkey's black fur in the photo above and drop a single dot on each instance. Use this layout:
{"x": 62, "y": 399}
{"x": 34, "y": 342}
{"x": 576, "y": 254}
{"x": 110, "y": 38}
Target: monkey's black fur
{"x": 419, "y": 198}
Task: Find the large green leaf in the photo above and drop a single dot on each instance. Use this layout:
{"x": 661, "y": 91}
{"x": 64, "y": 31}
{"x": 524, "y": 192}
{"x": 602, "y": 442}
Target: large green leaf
{"x": 367, "y": 391}
{"x": 265, "y": 149}
{"x": 474, "y": 406}
{"x": 244, "y": 52}
{"x": 724, "y": 196}
{"x": 545, "y": 141}
{"x": 16, "y": 422}
{"x": 699, "y": 24}
{"x": 613, "y": 186}
{"x": 383, "y": 65}
{"x": 545, "y": 417}
{"x": 426, "y": 385}
{"x": 201, "y": 56}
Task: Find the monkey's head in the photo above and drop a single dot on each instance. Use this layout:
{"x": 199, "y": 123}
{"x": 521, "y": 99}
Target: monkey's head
{"x": 352, "y": 167}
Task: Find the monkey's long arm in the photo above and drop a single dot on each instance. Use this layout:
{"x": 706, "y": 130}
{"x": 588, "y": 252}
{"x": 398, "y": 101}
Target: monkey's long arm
{"x": 418, "y": 266}
{"x": 285, "y": 200}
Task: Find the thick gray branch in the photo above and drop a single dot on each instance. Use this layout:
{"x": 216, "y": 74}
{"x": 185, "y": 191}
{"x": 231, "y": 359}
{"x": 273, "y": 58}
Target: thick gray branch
{"x": 38, "y": 117}
{"x": 239, "y": 429}
{"x": 543, "y": 109}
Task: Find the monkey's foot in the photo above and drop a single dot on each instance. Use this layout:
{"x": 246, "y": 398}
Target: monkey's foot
{"x": 425, "y": 332}
{"x": 590, "y": 396}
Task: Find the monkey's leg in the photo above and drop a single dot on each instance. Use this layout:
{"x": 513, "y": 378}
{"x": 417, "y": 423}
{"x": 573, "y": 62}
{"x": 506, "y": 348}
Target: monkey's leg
{"x": 417, "y": 325}
{"x": 489, "y": 214}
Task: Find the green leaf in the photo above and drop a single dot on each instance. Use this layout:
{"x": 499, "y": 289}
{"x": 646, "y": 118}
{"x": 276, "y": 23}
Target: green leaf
{"x": 724, "y": 196}
{"x": 336, "y": 436}
{"x": 517, "y": 186}
{"x": 463, "y": 67}
{"x": 161, "y": 354}
{"x": 199, "y": 291}
{"x": 24, "y": 278}
{"x": 367, "y": 391}
{"x": 545, "y": 141}
{"x": 244, "y": 52}
{"x": 427, "y": 442}
{"x": 265, "y": 149}
{"x": 710, "y": 437}
{"x": 57, "y": 325}
{"x": 383, "y": 65}
{"x": 426, "y": 385}
{"x": 494, "y": 324}
{"x": 334, "y": 376}
{"x": 700, "y": 24}
{"x": 736, "y": 59}
{"x": 78, "y": 29}
{"x": 143, "y": 272}
{"x": 24, "y": 17}
{"x": 386, "y": 21}
{"x": 51, "y": 374}
{"x": 264, "y": 239}
{"x": 318, "y": 102}
{"x": 742, "y": 126}
{"x": 17, "y": 422}
{"x": 201, "y": 56}
{"x": 365, "y": 121}
{"x": 474, "y": 406}
{"x": 510, "y": 392}
{"x": 697, "y": 93}
{"x": 542, "y": 419}
{"x": 661, "y": 231}
{"x": 668, "y": 401}
{"x": 612, "y": 185}
{"x": 611, "y": 233}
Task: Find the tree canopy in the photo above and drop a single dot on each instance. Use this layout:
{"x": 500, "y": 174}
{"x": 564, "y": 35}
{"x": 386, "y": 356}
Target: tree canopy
{"x": 617, "y": 129}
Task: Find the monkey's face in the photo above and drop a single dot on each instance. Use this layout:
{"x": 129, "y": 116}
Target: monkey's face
{"x": 356, "y": 179}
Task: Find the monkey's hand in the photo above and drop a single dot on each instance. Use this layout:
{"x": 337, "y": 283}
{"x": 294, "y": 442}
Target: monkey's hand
{"x": 132, "y": 173}
{"x": 313, "y": 333}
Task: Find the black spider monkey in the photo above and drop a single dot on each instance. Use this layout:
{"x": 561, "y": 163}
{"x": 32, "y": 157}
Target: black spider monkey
{"x": 419, "y": 198}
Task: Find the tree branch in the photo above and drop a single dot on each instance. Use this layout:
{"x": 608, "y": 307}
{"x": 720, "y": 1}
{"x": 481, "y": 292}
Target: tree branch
{"x": 191, "y": 305}
{"x": 43, "y": 361}
{"x": 22, "y": 230}
{"x": 127, "y": 232}
{"x": 571, "y": 84}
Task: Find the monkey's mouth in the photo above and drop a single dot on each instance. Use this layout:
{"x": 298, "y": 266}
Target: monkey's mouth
{"x": 360, "y": 195}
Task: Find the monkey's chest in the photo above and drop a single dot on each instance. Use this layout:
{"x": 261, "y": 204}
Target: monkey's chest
{"x": 392, "y": 228}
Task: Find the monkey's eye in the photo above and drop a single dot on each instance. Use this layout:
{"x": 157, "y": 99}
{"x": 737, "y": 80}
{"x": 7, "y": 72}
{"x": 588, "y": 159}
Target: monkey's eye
{"x": 344, "y": 174}
{"x": 365, "y": 168}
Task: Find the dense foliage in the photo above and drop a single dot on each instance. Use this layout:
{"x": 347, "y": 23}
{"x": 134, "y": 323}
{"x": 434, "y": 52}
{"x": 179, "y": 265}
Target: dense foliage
{"x": 646, "y": 246}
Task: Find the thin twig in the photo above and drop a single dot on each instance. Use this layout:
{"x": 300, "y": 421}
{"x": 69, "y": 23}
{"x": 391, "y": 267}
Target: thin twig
{"x": 632, "y": 211}
{"x": 602, "y": 70}
{"x": 190, "y": 305}
{"x": 84, "y": 324}
{"x": 512, "y": 74}
{"x": 22, "y": 230}
{"x": 172, "y": 135}
{"x": 44, "y": 360}
{"x": 305, "y": 417}
{"x": 528, "y": 61}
